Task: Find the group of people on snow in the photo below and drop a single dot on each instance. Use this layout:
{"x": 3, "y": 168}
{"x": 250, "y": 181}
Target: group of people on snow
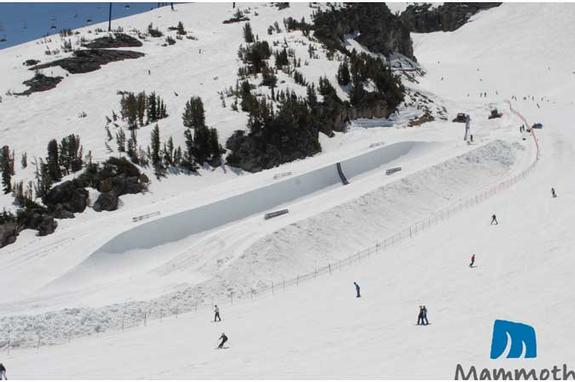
{"x": 422, "y": 317}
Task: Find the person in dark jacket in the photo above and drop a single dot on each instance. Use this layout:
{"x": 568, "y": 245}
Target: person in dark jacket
{"x": 424, "y": 316}
{"x": 420, "y": 316}
{"x": 553, "y": 194}
{"x": 217, "y": 313}
{"x": 224, "y": 339}
{"x": 3, "y": 373}
{"x": 357, "y": 289}
{"x": 472, "y": 261}
{"x": 494, "y": 220}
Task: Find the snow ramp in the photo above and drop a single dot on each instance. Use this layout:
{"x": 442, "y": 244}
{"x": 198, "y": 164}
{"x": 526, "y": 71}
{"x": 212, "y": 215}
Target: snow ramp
{"x": 183, "y": 224}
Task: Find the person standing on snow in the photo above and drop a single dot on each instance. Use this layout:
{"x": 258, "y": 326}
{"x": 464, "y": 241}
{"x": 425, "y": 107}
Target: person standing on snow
{"x": 553, "y": 192}
{"x": 420, "y": 316}
{"x": 467, "y": 126}
{"x": 217, "y": 313}
{"x": 356, "y": 289}
{"x": 494, "y": 220}
{"x": 472, "y": 261}
{"x": 3, "y": 373}
{"x": 224, "y": 339}
{"x": 424, "y": 316}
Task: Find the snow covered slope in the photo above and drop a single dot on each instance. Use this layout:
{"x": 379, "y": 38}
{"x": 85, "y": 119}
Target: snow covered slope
{"x": 319, "y": 329}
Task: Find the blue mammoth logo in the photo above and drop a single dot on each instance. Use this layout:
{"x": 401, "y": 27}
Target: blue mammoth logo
{"x": 522, "y": 337}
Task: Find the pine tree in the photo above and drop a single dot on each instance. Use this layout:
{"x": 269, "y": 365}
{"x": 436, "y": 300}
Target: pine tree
{"x": 248, "y": 34}
{"x": 201, "y": 144}
{"x": 43, "y": 179}
{"x": 155, "y": 143}
{"x": 169, "y": 152}
{"x": 311, "y": 95}
{"x": 6, "y": 177}
{"x": 133, "y": 148}
{"x": 178, "y": 156}
{"x": 180, "y": 28}
{"x": 343, "y": 77}
{"x": 188, "y": 160}
{"x": 121, "y": 140}
{"x": 52, "y": 161}
{"x": 214, "y": 148}
{"x": 152, "y": 108}
{"x": 194, "y": 115}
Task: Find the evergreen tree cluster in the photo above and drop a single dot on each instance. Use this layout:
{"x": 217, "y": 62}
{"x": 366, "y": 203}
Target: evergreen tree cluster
{"x": 279, "y": 134}
{"x": 288, "y": 134}
{"x": 141, "y": 109}
{"x": 255, "y": 56}
{"x": 377, "y": 28}
{"x": 203, "y": 145}
{"x": 366, "y": 68}
{"x": 62, "y": 159}
{"x": 154, "y": 32}
{"x": 292, "y": 24}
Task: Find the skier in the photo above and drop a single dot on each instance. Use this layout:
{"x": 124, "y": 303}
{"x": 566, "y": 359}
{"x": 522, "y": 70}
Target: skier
{"x": 217, "y": 313}
{"x": 494, "y": 220}
{"x": 224, "y": 339}
{"x": 420, "y": 316}
{"x": 356, "y": 289}
{"x": 3, "y": 373}
{"x": 424, "y": 316}
{"x": 472, "y": 261}
{"x": 553, "y": 192}
{"x": 467, "y": 126}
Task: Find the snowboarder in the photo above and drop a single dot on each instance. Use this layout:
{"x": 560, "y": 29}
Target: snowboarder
{"x": 217, "y": 313}
{"x": 472, "y": 261}
{"x": 356, "y": 289}
{"x": 553, "y": 192}
{"x": 494, "y": 220}
{"x": 3, "y": 373}
{"x": 424, "y": 316}
{"x": 224, "y": 339}
{"x": 420, "y": 316}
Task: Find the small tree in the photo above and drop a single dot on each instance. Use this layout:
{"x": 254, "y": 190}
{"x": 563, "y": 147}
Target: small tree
{"x": 343, "y": 77}
{"x": 194, "y": 115}
{"x": 180, "y": 28}
{"x": 248, "y": 34}
{"x": 121, "y": 140}
{"x": 155, "y": 139}
{"x": 52, "y": 161}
